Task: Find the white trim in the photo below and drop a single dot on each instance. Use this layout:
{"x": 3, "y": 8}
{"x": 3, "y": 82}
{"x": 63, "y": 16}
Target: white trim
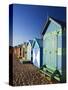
{"x": 55, "y": 22}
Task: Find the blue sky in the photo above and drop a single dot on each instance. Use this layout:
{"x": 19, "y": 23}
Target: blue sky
{"x": 28, "y": 20}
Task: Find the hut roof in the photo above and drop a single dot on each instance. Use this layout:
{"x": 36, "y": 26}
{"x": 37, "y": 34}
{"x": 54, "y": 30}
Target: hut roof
{"x": 49, "y": 19}
{"x": 39, "y": 41}
{"x": 31, "y": 42}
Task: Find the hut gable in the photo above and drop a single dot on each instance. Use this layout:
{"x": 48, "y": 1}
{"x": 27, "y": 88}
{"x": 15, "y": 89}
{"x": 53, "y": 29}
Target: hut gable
{"x": 37, "y": 43}
{"x": 31, "y": 42}
{"x": 53, "y": 24}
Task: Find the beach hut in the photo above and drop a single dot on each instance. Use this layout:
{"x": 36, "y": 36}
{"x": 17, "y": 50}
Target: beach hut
{"x": 20, "y": 51}
{"x": 54, "y": 49}
{"x": 16, "y": 51}
{"x": 23, "y": 51}
{"x": 37, "y": 52}
{"x": 29, "y": 50}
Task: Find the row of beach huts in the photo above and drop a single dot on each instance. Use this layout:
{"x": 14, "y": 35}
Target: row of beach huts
{"x": 49, "y": 52}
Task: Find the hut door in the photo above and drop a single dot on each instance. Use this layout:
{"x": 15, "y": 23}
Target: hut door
{"x": 51, "y": 55}
{"x": 36, "y": 57}
{"x": 52, "y": 52}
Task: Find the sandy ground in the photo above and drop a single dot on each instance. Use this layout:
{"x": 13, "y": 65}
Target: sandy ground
{"x": 27, "y": 74}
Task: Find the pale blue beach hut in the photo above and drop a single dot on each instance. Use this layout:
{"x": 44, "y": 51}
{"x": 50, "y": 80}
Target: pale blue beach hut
{"x": 29, "y": 50}
{"x": 54, "y": 49}
{"x": 37, "y": 52}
